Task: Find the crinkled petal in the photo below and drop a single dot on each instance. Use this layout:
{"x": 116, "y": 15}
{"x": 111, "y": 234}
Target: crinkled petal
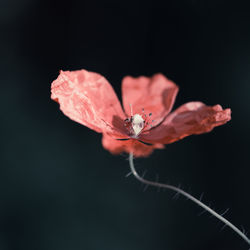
{"x": 154, "y": 94}
{"x": 139, "y": 149}
{"x": 89, "y": 99}
{"x": 190, "y": 118}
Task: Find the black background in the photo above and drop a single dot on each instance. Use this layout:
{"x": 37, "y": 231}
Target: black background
{"x": 59, "y": 188}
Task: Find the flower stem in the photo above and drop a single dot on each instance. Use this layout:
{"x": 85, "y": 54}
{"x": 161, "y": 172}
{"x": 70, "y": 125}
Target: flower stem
{"x": 188, "y": 196}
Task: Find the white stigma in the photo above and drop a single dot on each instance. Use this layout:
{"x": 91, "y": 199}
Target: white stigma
{"x": 137, "y": 124}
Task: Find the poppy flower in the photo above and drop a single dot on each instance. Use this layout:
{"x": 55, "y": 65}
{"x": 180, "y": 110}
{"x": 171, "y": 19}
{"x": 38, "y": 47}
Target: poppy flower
{"x": 145, "y": 122}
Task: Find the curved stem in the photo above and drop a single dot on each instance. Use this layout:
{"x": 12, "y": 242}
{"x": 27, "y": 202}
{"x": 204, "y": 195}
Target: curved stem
{"x": 187, "y": 195}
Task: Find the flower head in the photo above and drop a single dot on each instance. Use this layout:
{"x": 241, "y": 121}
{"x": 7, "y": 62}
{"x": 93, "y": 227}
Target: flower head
{"x": 145, "y": 122}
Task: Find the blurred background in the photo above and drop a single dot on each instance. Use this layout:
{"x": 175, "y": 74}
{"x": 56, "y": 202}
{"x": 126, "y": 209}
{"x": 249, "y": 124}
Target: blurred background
{"x": 59, "y": 189}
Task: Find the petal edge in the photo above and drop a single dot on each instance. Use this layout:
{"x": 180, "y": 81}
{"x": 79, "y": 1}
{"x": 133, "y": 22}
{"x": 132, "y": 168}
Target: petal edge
{"x": 191, "y": 118}
{"x": 87, "y": 98}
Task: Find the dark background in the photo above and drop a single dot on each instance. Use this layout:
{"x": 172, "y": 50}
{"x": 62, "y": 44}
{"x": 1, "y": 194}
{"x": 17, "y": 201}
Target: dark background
{"x": 59, "y": 189}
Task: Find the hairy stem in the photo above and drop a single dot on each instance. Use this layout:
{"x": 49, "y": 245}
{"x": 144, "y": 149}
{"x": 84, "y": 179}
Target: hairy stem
{"x": 187, "y": 195}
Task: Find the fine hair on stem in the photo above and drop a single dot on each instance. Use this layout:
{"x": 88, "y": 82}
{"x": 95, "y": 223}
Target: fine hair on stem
{"x": 188, "y": 196}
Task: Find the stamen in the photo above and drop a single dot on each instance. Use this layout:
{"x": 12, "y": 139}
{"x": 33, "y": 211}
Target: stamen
{"x": 131, "y": 109}
{"x": 137, "y": 123}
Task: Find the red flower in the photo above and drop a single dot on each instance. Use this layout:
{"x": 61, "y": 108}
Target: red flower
{"x": 145, "y": 123}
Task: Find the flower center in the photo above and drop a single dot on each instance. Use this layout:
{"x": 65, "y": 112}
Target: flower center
{"x": 137, "y": 124}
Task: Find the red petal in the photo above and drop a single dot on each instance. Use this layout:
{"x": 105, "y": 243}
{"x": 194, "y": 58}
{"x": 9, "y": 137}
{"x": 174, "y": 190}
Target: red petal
{"x": 89, "y": 99}
{"x": 190, "y": 118}
{"x": 119, "y": 146}
{"x": 155, "y": 94}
